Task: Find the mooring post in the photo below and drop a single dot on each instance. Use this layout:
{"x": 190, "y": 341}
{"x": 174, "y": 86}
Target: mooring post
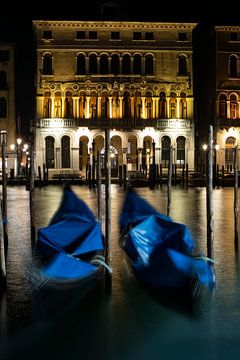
{"x": 31, "y": 193}
{"x": 236, "y": 197}
{"x": 107, "y": 208}
{"x": 169, "y": 181}
{"x": 99, "y": 187}
{"x": 209, "y": 194}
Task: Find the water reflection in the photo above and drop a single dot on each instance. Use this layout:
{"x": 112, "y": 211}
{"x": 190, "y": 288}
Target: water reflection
{"x": 129, "y": 324}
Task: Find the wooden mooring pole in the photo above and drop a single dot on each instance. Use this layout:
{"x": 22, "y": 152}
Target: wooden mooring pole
{"x": 169, "y": 181}
{"x": 99, "y": 182}
{"x": 107, "y": 208}
{"x": 31, "y": 194}
{"x": 209, "y": 194}
{"x": 236, "y": 198}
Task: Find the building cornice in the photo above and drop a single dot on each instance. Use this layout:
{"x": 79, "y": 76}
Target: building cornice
{"x": 227, "y": 28}
{"x": 38, "y": 24}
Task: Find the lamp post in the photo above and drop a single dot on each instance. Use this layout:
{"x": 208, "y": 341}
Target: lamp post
{"x": 20, "y": 148}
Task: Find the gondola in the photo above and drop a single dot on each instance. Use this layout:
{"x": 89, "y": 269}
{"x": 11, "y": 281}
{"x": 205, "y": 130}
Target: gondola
{"x": 69, "y": 257}
{"x": 161, "y": 253}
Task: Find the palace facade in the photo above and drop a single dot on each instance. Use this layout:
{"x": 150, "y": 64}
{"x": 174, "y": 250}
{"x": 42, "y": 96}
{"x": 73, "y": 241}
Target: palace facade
{"x": 135, "y": 78}
{"x": 227, "y": 94}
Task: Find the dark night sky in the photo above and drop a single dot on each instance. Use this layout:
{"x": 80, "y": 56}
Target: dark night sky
{"x": 16, "y": 26}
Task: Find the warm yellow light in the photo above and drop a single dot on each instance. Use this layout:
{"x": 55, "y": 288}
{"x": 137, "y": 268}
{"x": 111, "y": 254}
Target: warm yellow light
{"x": 12, "y": 147}
{"x": 204, "y": 147}
{"x": 217, "y": 147}
{"x": 19, "y": 141}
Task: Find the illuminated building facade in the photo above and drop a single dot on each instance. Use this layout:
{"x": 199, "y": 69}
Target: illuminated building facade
{"x": 227, "y": 119}
{"x": 8, "y": 121}
{"x": 133, "y": 77}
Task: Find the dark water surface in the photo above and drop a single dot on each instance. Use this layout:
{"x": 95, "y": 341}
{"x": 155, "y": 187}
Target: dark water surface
{"x": 128, "y": 324}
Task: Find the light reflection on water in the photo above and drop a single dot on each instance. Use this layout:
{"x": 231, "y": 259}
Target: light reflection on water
{"x": 129, "y": 324}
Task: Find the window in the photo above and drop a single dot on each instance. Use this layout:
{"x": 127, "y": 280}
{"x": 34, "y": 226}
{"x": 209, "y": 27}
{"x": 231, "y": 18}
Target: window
{"x": 103, "y": 64}
{"x": 222, "y": 106}
{"x": 233, "y": 66}
{"x": 65, "y": 142}
{"x": 233, "y": 36}
{"x": 182, "y": 65}
{"x": 137, "y": 35}
{"x": 4, "y": 55}
{"x": 80, "y": 35}
{"x": 233, "y": 107}
{"x": 162, "y": 106}
{"x": 93, "y": 64}
{"x": 3, "y": 80}
{"x": 47, "y": 65}
{"x": 137, "y": 64}
{"x": 92, "y": 35}
{"x": 3, "y": 107}
{"x": 49, "y": 145}
{"x": 81, "y": 65}
{"x": 47, "y": 35}
{"x": 115, "y": 35}
{"x": 115, "y": 64}
{"x": 181, "y": 150}
{"x": 126, "y": 64}
{"x": 182, "y": 36}
{"x": 149, "y": 36}
{"x": 166, "y": 143}
{"x": 149, "y": 65}
{"x": 173, "y": 105}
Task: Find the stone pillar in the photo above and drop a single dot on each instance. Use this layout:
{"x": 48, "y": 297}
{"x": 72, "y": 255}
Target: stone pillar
{"x": 87, "y": 110}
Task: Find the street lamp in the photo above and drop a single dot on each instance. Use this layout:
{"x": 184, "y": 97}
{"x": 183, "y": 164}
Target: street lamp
{"x": 20, "y": 148}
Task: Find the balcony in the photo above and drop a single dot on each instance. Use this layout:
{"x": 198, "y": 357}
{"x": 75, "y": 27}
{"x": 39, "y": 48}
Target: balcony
{"x": 227, "y": 123}
{"x": 97, "y": 123}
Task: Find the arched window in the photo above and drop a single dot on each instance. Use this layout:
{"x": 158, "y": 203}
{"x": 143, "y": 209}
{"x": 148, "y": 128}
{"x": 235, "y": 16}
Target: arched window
{"x": 65, "y": 146}
{"x": 230, "y": 151}
{"x": 3, "y": 80}
{"x": 149, "y": 65}
{"x": 104, "y": 105}
{"x": 49, "y": 146}
{"x": 103, "y": 64}
{"x": 115, "y": 64}
{"x": 115, "y": 105}
{"x": 68, "y": 105}
{"x": 166, "y": 144}
{"x": 233, "y": 66}
{"x": 126, "y": 64}
{"x": 181, "y": 150}
{"x": 93, "y": 64}
{"x": 162, "y": 106}
{"x": 173, "y": 105}
{"x": 149, "y": 105}
{"x": 47, "y": 105}
{"x": 137, "y": 64}
{"x": 3, "y": 107}
{"x": 47, "y": 64}
{"x": 223, "y": 106}
{"x": 58, "y": 105}
{"x": 233, "y": 107}
{"x": 182, "y": 65}
{"x": 82, "y": 99}
{"x": 81, "y": 65}
{"x": 126, "y": 105}
{"x": 138, "y": 104}
{"x": 93, "y": 105}
{"x": 183, "y": 106}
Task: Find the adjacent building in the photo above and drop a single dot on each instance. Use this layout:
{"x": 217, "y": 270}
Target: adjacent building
{"x": 135, "y": 78}
{"x": 8, "y": 118}
{"x": 227, "y": 94}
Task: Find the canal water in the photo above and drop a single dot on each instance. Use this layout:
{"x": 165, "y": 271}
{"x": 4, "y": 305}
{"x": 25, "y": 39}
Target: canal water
{"x": 126, "y": 324}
